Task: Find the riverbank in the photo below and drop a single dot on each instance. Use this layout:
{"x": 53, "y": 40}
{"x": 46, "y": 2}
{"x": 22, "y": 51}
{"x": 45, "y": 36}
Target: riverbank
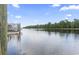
{"x": 76, "y": 29}
{"x": 61, "y": 30}
{"x": 66, "y": 29}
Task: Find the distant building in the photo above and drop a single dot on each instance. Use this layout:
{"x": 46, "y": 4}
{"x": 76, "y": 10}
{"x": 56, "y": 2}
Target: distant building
{"x": 13, "y": 27}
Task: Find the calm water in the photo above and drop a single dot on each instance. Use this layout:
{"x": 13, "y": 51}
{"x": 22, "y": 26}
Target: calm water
{"x": 31, "y": 42}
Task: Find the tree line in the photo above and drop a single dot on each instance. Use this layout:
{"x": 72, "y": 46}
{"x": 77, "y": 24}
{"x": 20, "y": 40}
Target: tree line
{"x": 62, "y": 24}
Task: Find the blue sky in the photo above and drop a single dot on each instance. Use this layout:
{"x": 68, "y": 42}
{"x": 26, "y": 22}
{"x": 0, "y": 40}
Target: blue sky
{"x": 31, "y": 14}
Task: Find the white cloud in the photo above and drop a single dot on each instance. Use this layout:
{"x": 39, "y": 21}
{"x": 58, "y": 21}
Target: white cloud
{"x": 71, "y": 7}
{"x": 18, "y": 17}
{"x": 56, "y": 5}
{"x": 16, "y": 5}
{"x": 66, "y": 18}
{"x": 68, "y": 15}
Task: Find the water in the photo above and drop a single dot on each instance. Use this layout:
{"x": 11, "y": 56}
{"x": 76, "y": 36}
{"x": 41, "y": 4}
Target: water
{"x": 31, "y": 42}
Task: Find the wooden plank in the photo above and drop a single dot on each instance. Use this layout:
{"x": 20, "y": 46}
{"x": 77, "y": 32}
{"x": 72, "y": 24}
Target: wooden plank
{"x": 13, "y": 33}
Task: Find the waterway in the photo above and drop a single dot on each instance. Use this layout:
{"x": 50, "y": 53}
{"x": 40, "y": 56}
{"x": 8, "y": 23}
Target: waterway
{"x": 32, "y": 42}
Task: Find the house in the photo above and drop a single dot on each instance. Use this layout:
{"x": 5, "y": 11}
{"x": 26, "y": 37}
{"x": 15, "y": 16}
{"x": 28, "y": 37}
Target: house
{"x": 13, "y": 27}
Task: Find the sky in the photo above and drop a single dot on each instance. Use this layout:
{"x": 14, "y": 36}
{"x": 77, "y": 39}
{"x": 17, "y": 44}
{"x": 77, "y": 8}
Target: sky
{"x": 32, "y": 14}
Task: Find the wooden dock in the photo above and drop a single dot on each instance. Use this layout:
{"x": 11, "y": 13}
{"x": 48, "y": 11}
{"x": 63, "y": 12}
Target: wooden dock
{"x": 13, "y": 33}
{"x": 14, "y": 29}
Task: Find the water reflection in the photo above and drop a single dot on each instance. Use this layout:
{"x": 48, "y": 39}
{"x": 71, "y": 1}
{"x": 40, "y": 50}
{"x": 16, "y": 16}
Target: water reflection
{"x": 33, "y": 42}
{"x": 14, "y": 36}
{"x": 13, "y": 44}
{"x": 65, "y": 34}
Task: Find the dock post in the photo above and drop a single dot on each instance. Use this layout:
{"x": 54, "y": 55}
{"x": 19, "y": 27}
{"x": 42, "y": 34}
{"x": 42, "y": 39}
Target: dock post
{"x": 3, "y": 28}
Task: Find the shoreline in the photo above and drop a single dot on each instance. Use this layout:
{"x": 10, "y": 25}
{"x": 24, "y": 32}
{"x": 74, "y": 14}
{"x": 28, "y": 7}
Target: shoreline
{"x": 76, "y": 29}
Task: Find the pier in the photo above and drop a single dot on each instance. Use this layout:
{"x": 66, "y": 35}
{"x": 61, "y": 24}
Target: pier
{"x": 14, "y": 29}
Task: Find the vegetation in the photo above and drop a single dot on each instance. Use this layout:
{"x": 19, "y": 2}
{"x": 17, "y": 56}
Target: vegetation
{"x": 62, "y": 25}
